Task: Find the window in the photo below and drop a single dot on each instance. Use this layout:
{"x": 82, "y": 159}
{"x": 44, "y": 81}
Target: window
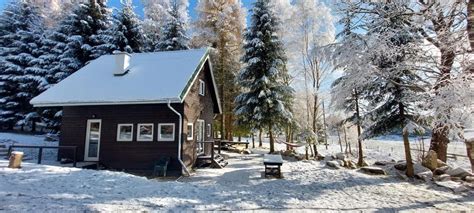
{"x": 145, "y": 132}
{"x": 190, "y": 130}
{"x": 125, "y": 132}
{"x": 209, "y": 130}
{"x": 202, "y": 87}
{"x": 166, "y": 132}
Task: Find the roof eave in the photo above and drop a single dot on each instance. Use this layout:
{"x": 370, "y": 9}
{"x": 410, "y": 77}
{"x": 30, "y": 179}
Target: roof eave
{"x": 62, "y": 104}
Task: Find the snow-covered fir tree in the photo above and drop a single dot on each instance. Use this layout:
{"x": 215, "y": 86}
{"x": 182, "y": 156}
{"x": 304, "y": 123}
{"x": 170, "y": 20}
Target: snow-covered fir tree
{"x": 174, "y": 31}
{"x": 83, "y": 28}
{"x": 126, "y": 32}
{"x": 80, "y": 37}
{"x": 123, "y": 34}
{"x": 155, "y": 16}
{"x": 20, "y": 80}
{"x": 264, "y": 102}
{"x": 53, "y": 44}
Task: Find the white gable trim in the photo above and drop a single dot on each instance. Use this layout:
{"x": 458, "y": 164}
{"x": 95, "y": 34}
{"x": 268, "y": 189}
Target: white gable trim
{"x": 212, "y": 77}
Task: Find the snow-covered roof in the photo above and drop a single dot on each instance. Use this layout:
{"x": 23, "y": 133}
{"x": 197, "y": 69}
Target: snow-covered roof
{"x": 157, "y": 77}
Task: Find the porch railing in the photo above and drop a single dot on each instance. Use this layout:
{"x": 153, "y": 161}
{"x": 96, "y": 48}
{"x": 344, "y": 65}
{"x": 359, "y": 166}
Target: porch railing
{"x": 204, "y": 143}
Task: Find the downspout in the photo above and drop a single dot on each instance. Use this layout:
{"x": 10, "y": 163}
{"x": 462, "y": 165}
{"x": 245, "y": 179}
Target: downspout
{"x": 179, "y": 137}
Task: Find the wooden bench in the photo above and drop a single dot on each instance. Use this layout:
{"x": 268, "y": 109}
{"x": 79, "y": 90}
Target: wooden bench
{"x": 273, "y": 165}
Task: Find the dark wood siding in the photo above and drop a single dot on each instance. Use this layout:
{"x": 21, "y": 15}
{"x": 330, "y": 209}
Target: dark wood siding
{"x": 122, "y": 155}
{"x": 198, "y": 107}
{"x": 137, "y": 155}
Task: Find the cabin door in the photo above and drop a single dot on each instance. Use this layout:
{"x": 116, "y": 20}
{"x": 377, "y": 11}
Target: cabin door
{"x": 92, "y": 140}
{"x": 200, "y": 136}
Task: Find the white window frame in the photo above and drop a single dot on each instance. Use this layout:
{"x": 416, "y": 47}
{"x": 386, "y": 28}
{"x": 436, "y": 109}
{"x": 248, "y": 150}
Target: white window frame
{"x": 159, "y": 132}
{"x": 202, "y": 87}
{"x": 118, "y": 133}
{"x": 208, "y": 130}
{"x": 188, "y": 137}
{"x": 152, "y": 131}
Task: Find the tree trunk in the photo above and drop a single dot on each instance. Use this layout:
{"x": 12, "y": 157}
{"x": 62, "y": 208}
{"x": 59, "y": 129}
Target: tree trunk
{"x": 324, "y": 127}
{"x": 315, "y": 113}
{"x": 410, "y": 170}
{"x": 439, "y": 143}
{"x": 439, "y": 137}
{"x": 315, "y": 149}
{"x": 470, "y": 22}
{"x": 272, "y": 145}
{"x": 469, "y": 149}
{"x": 222, "y": 115}
{"x": 229, "y": 127}
{"x": 350, "y": 149}
{"x": 339, "y": 138}
{"x": 360, "y": 162}
{"x": 345, "y": 140}
{"x": 33, "y": 125}
{"x": 406, "y": 143}
{"x": 260, "y": 138}
{"x": 253, "y": 140}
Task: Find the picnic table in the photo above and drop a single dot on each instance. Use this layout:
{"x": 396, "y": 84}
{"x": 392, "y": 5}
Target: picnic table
{"x": 272, "y": 165}
{"x": 221, "y": 143}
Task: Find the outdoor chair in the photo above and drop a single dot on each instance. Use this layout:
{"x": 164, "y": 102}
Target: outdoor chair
{"x": 161, "y": 165}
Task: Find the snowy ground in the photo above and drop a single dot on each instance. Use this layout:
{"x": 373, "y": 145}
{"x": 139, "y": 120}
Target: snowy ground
{"x": 387, "y": 148}
{"x": 307, "y": 186}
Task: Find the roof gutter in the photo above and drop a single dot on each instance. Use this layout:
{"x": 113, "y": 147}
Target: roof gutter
{"x": 179, "y": 138}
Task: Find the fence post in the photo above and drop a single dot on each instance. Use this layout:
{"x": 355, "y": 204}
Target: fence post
{"x": 40, "y": 155}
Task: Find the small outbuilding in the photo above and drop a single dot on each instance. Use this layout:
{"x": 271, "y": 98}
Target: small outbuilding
{"x": 126, "y": 111}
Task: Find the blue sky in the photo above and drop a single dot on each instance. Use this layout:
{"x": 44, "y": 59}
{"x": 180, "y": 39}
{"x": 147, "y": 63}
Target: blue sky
{"x": 139, "y": 6}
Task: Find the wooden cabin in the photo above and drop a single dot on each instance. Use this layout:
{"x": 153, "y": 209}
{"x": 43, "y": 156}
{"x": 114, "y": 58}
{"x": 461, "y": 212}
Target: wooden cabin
{"x": 126, "y": 111}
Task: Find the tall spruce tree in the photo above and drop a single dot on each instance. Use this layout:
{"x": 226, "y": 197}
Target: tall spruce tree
{"x": 128, "y": 29}
{"x": 265, "y": 100}
{"x": 174, "y": 31}
{"x": 80, "y": 37}
{"x": 20, "y": 31}
{"x": 126, "y": 33}
{"x": 83, "y": 28}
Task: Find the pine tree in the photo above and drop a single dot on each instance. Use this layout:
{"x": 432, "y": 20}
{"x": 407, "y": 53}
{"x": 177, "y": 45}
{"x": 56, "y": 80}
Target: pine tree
{"x": 80, "y": 37}
{"x": 126, "y": 33}
{"x": 20, "y": 27}
{"x": 174, "y": 31}
{"x": 221, "y": 24}
{"x": 264, "y": 100}
{"x": 155, "y": 12}
{"x": 83, "y": 28}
